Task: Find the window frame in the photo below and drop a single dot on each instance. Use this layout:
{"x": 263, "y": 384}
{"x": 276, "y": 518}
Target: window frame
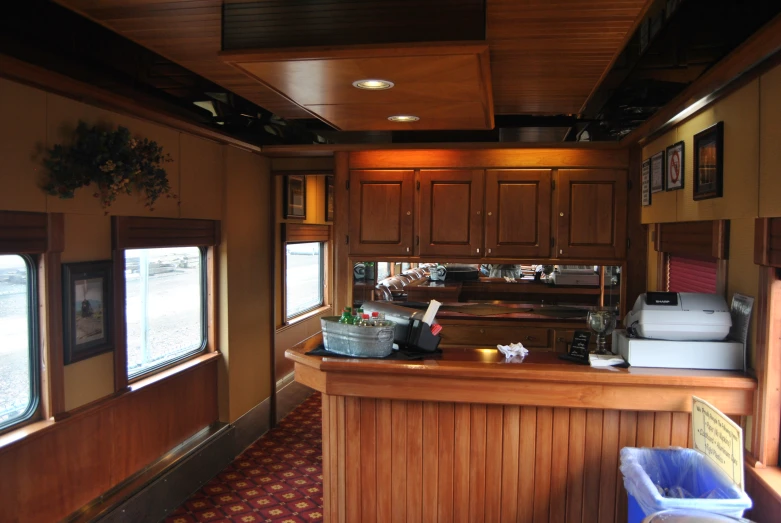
{"x": 304, "y": 233}
{"x": 34, "y": 346}
{"x": 323, "y": 272}
{"x": 204, "y": 321}
{"x": 136, "y": 232}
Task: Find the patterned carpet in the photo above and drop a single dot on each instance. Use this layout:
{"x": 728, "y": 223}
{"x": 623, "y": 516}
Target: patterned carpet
{"x": 278, "y": 478}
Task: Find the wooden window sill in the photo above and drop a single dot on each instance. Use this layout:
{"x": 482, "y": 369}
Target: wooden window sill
{"x": 196, "y": 361}
{"x": 298, "y": 319}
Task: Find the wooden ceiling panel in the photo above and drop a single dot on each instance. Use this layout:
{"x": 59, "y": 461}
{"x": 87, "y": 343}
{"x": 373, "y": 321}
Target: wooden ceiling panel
{"x": 187, "y": 32}
{"x": 547, "y": 56}
{"x": 448, "y": 86}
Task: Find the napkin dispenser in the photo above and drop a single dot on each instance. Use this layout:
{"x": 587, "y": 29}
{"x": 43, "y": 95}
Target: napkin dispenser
{"x": 410, "y": 332}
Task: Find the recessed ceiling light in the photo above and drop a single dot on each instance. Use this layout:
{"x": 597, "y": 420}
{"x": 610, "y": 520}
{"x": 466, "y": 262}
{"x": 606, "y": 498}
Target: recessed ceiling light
{"x": 403, "y": 118}
{"x": 373, "y": 84}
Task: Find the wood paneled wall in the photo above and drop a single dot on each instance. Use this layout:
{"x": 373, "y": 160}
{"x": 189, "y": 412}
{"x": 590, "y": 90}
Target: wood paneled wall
{"x": 481, "y": 463}
{"x": 53, "y": 472}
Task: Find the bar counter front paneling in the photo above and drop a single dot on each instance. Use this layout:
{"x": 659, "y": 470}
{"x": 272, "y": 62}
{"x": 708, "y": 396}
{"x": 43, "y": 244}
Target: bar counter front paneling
{"x": 469, "y": 438}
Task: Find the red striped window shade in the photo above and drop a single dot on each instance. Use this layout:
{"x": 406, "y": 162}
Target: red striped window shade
{"x": 686, "y": 274}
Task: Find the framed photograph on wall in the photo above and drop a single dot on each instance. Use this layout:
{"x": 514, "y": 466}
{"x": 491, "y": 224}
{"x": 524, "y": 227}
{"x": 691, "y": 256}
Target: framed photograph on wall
{"x": 329, "y": 198}
{"x": 646, "y": 177}
{"x": 709, "y": 162}
{"x": 675, "y": 167}
{"x": 87, "y": 309}
{"x": 657, "y": 172}
{"x": 295, "y": 196}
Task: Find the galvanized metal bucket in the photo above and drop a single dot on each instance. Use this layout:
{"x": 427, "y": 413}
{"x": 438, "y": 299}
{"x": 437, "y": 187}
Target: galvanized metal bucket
{"x": 356, "y": 341}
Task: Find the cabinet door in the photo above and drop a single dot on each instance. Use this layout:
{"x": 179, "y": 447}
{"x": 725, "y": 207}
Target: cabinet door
{"x": 381, "y": 205}
{"x": 591, "y": 214}
{"x": 518, "y": 209}
{"x": 451, "y": 220}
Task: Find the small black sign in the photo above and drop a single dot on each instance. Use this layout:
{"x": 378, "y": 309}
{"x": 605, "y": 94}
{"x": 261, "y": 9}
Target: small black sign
{"x": 579, "y": 349}
{"x": 661, "y": 298}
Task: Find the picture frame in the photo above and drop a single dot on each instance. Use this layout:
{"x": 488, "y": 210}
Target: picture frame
{"x": 709, "y": 163}
{"x": 646, "y": 179}
{"x": 674, "y": 178}
{"x": 329, "y": 198}
{"x": 87, "y": 309}
{"x": 295, "y": 196}
{"x": 657, "y": 172}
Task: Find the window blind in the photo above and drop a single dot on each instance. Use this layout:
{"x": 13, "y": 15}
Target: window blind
{"x": 686, "y": 274}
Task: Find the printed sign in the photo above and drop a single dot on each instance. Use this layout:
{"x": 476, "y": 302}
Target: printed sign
{"x": 578, "y": 351}
{"x": 646, "y": 183}
{"x": 675, "y": 167}
{"x": 719, "y": 438}
{"x": 657, "y": 172}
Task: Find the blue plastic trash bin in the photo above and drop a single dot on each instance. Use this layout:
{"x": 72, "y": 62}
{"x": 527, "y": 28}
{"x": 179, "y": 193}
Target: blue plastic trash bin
{"x": 677, "y": 478}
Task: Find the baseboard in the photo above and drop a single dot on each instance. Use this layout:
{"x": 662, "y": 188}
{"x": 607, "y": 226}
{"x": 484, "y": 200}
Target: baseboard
{"x": 153, "y": 497}
{"x": 252, "y": 425}
{"x": 155, "y": 492}
{"x": 290, "y": 394}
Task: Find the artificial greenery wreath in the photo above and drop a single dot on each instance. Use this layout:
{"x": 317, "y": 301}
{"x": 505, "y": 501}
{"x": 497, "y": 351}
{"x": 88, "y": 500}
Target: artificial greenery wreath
{"x": 113, "y": 160}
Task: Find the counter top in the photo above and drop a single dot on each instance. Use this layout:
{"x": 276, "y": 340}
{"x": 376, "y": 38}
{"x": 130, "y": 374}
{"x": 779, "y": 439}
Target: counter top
{"x": 481, "y": 375}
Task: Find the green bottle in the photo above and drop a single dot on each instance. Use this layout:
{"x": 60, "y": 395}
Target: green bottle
{"x": 346, "y": 316}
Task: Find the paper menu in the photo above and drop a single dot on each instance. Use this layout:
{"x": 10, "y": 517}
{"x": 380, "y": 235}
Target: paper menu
{"x": 719, "y": 438}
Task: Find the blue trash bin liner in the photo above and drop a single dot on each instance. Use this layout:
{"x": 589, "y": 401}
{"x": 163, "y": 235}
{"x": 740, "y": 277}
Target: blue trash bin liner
{"x": 661, "y": 479}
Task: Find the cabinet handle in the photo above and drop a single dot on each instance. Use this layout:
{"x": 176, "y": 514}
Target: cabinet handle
{"x": 561, "y": 251}
{"x": 482, "y": 331}
{"x": 531, "y": 338}
{"x": 410, "y": 212}
{"x": 407, "y": 249}
{"x": 560, "y": 340}
{"x": 490, "y": 213}
{"x": 560, "y": 214}
{"x": 478, "y": 251}
{"x": 489, "y": 251}
{"x": 478, "y": 213}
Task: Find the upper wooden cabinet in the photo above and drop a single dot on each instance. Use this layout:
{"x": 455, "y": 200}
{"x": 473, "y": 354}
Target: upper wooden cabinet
{"x": 381, "y": 212}
{"x": 518, "y": 212}
{"x": 591, "y": 214}
{"x": 451, "y": 212}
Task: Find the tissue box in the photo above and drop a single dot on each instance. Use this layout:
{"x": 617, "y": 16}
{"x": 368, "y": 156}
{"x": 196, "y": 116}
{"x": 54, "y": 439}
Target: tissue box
{"x": 714, "y": 355}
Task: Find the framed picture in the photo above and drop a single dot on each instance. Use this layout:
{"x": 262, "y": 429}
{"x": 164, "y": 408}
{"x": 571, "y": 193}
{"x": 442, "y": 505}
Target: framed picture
{"x": 87, "y": 309}
{"x": 329, "y": 198}
{"x": 709, "y": 162}
{"x": 295, "y": 196}
{"x": 646, "y": 177}
{"x": 657, "y": 172}
{"x": 675, "y": 167}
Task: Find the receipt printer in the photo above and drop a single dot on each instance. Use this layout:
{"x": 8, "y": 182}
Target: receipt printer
{"x": 679, "y": 316}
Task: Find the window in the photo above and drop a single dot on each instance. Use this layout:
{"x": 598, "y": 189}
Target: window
{"x": 18, "y": 340}
{"x": 383, "y": 270}
{"x": 688, "y": 274}
{"x": 304, "y": 280}
{"x": 165, "y": 306}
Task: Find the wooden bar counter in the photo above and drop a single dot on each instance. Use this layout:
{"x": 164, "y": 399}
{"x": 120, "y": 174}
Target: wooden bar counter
{"x": 467, "y": 437}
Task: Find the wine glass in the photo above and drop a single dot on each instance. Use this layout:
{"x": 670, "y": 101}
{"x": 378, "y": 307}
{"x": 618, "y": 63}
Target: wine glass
{"x": 603, "y": 322}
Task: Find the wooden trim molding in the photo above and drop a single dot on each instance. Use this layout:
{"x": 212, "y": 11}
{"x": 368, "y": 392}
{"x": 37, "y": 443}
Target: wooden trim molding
{"x": 767, "y": 242}
{"x": 343, "y": 274}
{"x": 25, "y": 233}
{"x": 134, "y": 232}
{"x": 302, "y": 232}
{"x": 574, "y": 157}
{"x": 704, "y": 239}
{"x": 767, "y": 418}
